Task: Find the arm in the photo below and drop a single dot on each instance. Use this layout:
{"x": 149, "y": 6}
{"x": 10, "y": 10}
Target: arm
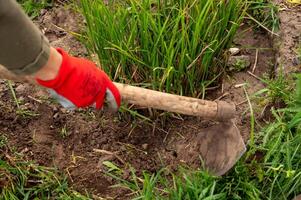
{"x": 26, "y": 52}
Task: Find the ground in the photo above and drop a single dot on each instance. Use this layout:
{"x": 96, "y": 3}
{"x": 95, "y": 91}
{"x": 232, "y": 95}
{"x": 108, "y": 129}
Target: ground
{"x": 289, "y": 39}
{"x": 77, "y": 142}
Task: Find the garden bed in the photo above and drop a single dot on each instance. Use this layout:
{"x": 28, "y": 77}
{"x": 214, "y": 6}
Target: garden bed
{"x": 78, "y": 142}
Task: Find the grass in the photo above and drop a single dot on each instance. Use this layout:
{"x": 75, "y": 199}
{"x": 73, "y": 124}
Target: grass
{"x": 265, "y": 14}
{"x": 173, "y": 46}
{"x": 21, "y": 111}
{"x": 277, "y": 91}
{"x": 22, "y": 179}
{"x": 298, "y": 51}
{"x": 270, "y": 170}
{"x": 34, "y": 7}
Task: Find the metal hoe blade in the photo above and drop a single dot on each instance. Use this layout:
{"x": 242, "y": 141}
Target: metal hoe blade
{"x": 219, "y": 146}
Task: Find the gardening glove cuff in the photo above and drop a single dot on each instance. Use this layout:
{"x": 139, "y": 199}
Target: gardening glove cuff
{"x": 81, "y": 83}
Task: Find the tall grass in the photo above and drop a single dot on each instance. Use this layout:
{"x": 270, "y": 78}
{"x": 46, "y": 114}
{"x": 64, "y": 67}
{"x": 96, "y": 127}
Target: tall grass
{"x": 169, "y": 45}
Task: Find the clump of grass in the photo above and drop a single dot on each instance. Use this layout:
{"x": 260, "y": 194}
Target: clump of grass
{"x": 277, "y": 91}
{"x": 192, "y": 184}
{"x": 265, "y": 14}
{"x": 173, "y": 46}
{"x": 64, "y": 132}
{"x": 34, "y": 7}
{"x": 3, "y": 140}
{"x": 22, "y": 179}
{"x": 23, "y": 112}
{"x": 25, "y": 180}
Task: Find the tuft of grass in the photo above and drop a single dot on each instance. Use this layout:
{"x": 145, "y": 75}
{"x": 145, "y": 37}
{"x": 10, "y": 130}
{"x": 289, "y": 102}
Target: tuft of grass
{"x": 277, "y": 91}
{"x": 20, "y": 179}
{"x": 172, "y": 46}
{"x": 23, "y": 112}
{"x": 265, "y": 14}
{"x": 64, "y": 133}
{"x": 34, "y": 7}
{"x": 3, "y": 140}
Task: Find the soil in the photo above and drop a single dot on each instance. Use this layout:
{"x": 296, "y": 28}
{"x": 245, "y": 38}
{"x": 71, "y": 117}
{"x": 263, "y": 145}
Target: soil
{"x": 77, "y": 142}
{"x": 289, "y": 39}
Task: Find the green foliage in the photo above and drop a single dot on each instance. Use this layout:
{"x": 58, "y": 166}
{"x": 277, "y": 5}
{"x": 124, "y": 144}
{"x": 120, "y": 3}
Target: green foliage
{"x": 171, "y": 45}
{"x": 24, "y": 180}
{"x": 23, "y": 112}
{"x": 21, "y": 179}
{"x": 270, "y": 170}
{"x": 277, "y": 91}
{"x": 3, "y": 140}
{"x": 265, "y": 13}
{"x": 33, "y": 7}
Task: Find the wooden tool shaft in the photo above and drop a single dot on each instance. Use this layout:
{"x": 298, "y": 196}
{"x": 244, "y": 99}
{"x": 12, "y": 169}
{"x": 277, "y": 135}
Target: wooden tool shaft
{"x": 216, "y": 110}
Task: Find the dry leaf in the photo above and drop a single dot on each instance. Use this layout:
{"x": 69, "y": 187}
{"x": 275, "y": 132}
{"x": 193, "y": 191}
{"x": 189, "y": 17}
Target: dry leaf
{"x": 294, "y": 1}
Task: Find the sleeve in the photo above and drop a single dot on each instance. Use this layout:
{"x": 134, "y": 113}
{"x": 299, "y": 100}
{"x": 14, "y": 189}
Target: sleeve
{"x": 23, "y": 48}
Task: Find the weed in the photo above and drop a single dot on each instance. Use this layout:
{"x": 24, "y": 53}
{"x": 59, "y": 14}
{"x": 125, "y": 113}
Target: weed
{"x": 172, "y": 46}
{"x": 23, "y": 112}
{"x": 3, "y": 140}
{"x": 64, "y": 132}
{"x": 25, "y": 180}
{"x": 265, "y": 14}
{"x": 112, "y": 167}
{"x": 238, "y": 63}
{"x": 277, "y": 91}
{"x": 33, "y": 7}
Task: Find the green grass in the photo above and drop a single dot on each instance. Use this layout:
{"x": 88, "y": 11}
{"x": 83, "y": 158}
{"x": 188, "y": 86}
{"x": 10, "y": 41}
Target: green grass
{"x": 265, "y": 14}
{"x": 21, "y": 179}
{"x": 34, "y": 7}
{"x": 173, "y": 46}
{"x": 21, "y": 111}
{"x": 270, "y": 170}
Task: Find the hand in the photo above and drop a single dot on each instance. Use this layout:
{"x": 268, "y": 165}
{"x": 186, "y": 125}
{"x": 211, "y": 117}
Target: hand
{"x": 80, "y": 83}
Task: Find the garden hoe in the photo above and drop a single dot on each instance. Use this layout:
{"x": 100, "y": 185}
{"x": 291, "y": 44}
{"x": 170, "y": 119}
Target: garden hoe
{"x": 219, "y": 146}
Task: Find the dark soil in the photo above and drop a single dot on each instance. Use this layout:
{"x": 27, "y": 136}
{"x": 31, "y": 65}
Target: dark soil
{"x": 77, "y": 142}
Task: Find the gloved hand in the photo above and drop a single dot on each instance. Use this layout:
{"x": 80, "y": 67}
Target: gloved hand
{"x": 80, "y": 83}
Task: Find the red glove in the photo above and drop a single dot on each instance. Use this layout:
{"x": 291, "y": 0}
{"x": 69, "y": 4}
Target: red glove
{"x": 83, "y": 84}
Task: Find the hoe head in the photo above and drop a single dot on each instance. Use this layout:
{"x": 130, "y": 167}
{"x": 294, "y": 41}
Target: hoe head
{"x": 219, "y": 147}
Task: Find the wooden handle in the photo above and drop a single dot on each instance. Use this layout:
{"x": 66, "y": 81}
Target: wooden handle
{"x": 216, "y": 110}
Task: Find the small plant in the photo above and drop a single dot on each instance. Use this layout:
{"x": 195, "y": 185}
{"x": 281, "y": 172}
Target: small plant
{"x": 3, "y": 140}
{"x": 265, "y": 14}
{"x": 23, "y": 112}
{"x": 112, "y": 167}
{"x": 277, "y": 91}
{"x": 34, "y": 7}
{"x": 172, "y": 46}
{"x": 238, "y": 63}
{"x": 64, "y": 132}
{"x": 20, "y": 179}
